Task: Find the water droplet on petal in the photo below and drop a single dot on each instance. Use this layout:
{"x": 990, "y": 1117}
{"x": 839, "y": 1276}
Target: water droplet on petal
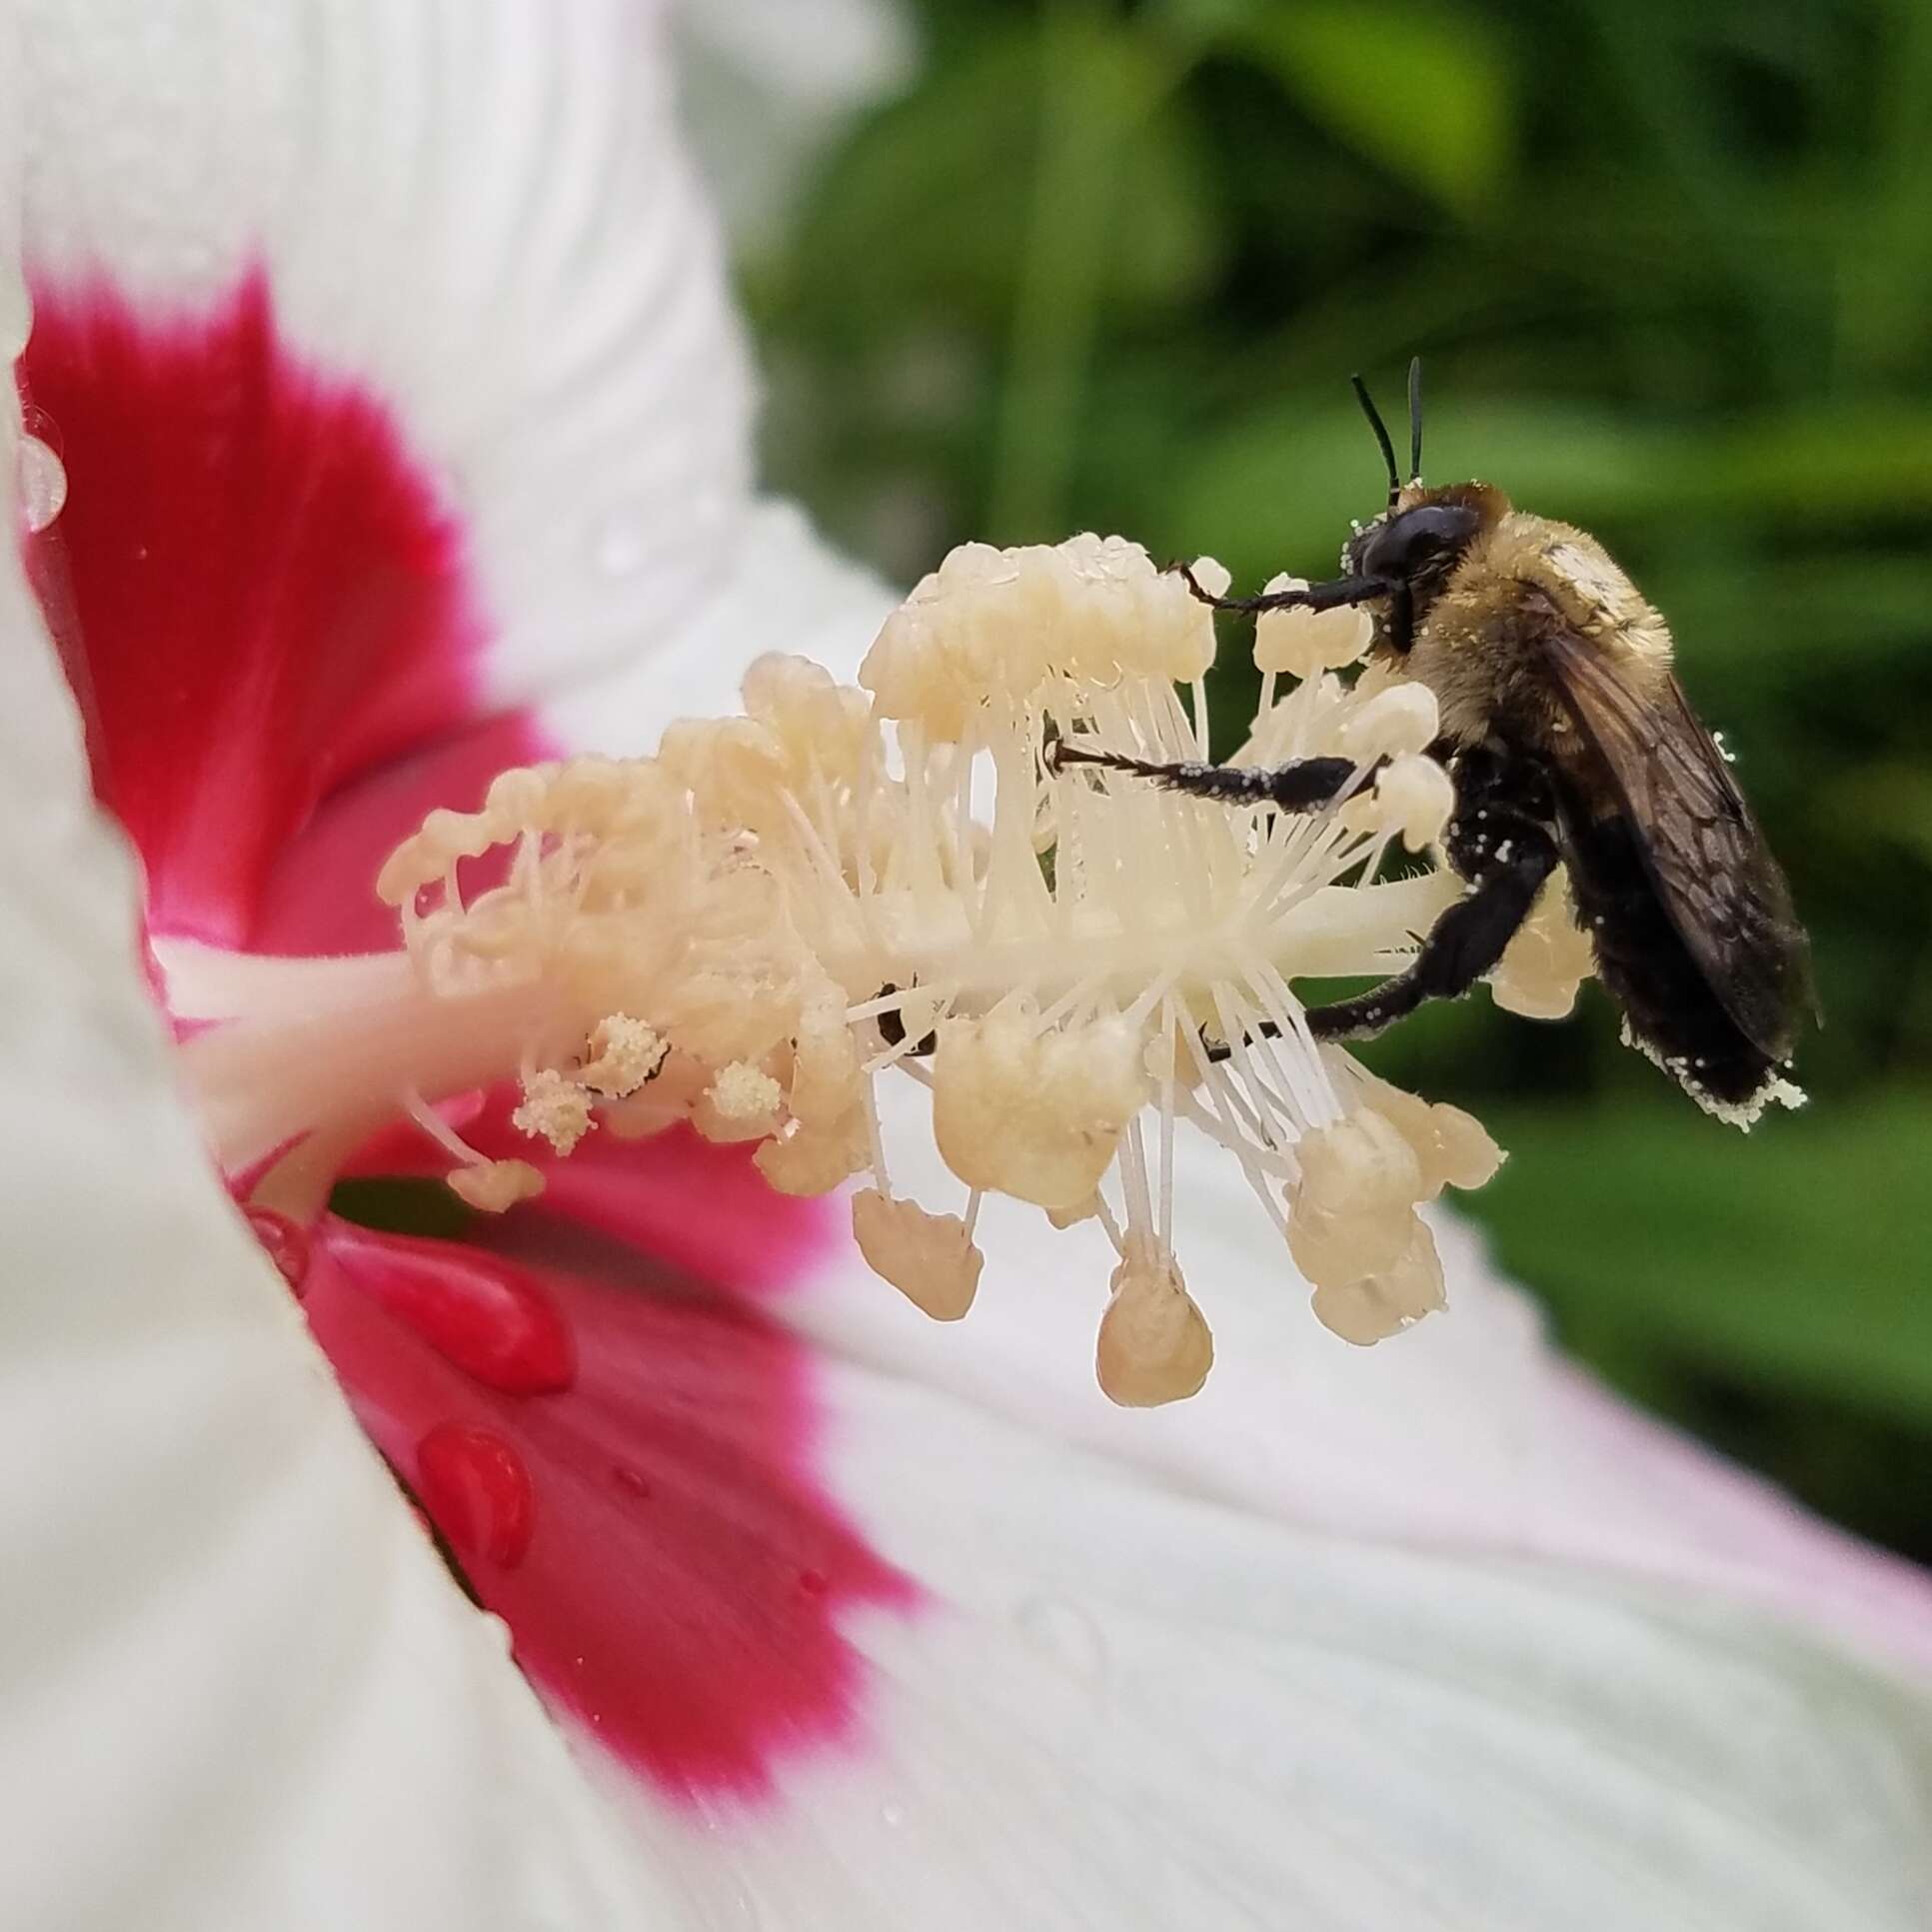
{"x": 1065, "y": 1633}
{"x": 891, "y": 1815}
{"x": 43, "y": 482}
{"x": 476, "y": 1489}
{"x": 286, "y": 1244}
{"x": 814, "y": 1582}
{"x": 487, "y": 1318}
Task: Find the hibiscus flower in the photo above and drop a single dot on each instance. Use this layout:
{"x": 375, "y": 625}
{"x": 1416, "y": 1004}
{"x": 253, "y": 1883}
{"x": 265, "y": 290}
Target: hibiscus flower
{"x": 405, "y": 432}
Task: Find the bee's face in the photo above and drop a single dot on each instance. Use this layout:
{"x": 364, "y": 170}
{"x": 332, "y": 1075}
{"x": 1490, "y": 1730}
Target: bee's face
{"x": 1419, "y": 545}
{"x": 1422, "y": 538}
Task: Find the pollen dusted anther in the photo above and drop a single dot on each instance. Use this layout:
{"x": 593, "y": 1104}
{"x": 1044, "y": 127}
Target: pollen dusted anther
{"x": 553, "y": 1108}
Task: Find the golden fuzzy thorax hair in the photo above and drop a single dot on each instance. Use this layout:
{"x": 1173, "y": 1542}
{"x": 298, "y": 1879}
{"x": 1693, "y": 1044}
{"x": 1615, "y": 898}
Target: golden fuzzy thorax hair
{"x": 1478, "y": 648}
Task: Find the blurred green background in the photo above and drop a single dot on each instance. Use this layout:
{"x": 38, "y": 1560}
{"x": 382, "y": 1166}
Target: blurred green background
{"x": 1670, "y": 269}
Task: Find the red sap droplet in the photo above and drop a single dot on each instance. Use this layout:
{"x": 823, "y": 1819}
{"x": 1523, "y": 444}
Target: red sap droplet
{"x": 475, "y": 1486}
{"x": 485, "y": 1315}
{"x": 285, "y": 1242}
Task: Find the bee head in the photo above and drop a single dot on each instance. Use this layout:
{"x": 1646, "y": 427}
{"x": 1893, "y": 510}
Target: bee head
{"x": 1420, "y": 540}
{"x": 1415, "y": 546}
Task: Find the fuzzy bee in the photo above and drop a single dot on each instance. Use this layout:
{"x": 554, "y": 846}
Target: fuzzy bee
{"x": 1569, "y": 739}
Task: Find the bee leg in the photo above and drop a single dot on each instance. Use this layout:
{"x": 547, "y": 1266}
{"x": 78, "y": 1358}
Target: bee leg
{"x": 1506, "y": 856}
{"x": 891, "y": 1028}
{"x": 1313, "y": 597}
{"x": 1302, "y": 784}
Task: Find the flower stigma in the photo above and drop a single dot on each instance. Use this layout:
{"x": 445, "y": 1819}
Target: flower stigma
{"x": 752, "y": 929}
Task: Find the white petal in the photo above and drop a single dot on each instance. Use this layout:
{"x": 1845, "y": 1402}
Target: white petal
{"x": 781, "y": 589}
{"x": 1131, "y": 1705}
{"x": 479, "y": 209}
{"x": 240, "y": 1690}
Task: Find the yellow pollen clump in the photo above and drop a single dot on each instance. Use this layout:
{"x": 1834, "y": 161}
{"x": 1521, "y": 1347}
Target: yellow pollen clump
{"x": 555, "y": 1109}
{"x": 623, "y": 1053}
{"x": 742, "y": 1104}
{"x": 842, "y": 886}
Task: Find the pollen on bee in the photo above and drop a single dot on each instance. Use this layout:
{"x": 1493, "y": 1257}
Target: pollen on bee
{"x": 842, "y": 885}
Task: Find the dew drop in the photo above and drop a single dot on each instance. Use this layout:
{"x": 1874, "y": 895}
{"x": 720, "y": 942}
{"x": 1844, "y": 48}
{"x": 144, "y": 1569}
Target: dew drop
{"x": 814, "y": 1582}
{"x": 495, "y": 1325}
{"x": 891, "y": 1816}
{"x": 633, "y": 1483}
{"x": 43, "y": 482}
{"x": 286, "y": 1244}
{"x": 1065, "y": 1633}
{"x": 477, "y": 1490}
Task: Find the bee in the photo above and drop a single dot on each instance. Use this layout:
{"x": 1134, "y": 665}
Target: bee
{"x": 1569, "y": 740}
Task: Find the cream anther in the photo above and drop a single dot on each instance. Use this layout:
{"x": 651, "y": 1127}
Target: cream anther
{"x": 1155, "y": 1345}
{"x": 623, "y": 1053}
{"x": 930, "y": 1258}
{"x": 1548, "y": 958}
{"x": 1305, "y": 642}
{"x": 495, "y": 1187}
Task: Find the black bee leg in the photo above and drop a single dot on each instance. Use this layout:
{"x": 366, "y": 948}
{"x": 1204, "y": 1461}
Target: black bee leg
{"x": 891, "y": 1028}
{"x": 1302, "y": 784}
{"x": 1506, "y": 858}
{"x": 1315, "y": 596}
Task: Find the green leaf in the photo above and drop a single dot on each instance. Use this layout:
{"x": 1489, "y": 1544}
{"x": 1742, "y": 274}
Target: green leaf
{"x": 926, "y": 208}
{"x": 1798, "y": 1259}
{"x": 1423, "y": 91}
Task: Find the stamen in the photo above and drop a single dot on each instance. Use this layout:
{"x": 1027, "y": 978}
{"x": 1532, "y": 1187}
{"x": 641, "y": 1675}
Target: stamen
{"x": 718, "y": 932}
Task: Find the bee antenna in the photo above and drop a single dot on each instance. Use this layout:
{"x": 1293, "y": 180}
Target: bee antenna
{"x": 1416, "y": 419}
{"x": 1380, "y": 428}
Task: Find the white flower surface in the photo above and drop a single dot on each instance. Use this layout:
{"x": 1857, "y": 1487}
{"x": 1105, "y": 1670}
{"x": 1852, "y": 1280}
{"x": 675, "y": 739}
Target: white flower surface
{"x": 1435, "y": 1635}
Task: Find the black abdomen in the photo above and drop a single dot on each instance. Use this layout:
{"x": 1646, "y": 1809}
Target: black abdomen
{"x": 1672, "y": 1012}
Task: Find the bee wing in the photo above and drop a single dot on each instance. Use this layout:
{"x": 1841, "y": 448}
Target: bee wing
{"x": 1702, "y": 848}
